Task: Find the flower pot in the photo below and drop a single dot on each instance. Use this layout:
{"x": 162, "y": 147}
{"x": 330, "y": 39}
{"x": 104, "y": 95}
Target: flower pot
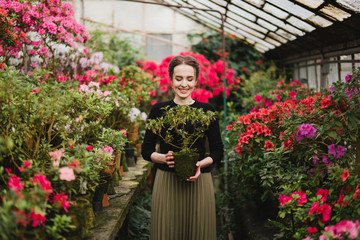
{"x": 78, "y": 211}
{"x": 132, "y": 136}
{"x": 110, "y": 168}
{"x": 100, "y": 190}
{"x": 105, "y": 201}
{"x": 130, "y": 157}
{"x": 121, "y": 171}
{"x": 117, "y": 160}
{"x": 185, "y": 164}
{"x": 138, "y": 149}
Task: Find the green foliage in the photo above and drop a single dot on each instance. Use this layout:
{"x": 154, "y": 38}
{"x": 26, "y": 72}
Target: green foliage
{"x": 174, "y": 121}
{"x": 140, "y": 216}
{"x": 59, "y": 225}
{"x": 117, "y": 51}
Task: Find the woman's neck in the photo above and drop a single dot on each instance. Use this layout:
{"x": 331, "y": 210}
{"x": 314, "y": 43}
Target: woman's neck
{"x": 183, "y": 101}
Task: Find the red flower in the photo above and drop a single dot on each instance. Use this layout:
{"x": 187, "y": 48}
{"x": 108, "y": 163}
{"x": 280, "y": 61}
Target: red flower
{"x": 345, "y": 175}
{"x": 27, "y": 164}
{"x": 259, "y": 62}
{"x": 312, "y": 230}
{"x": 357, "y": 192}
{"x": 229, "y": 127}
{"x": 325, "y": 102}
{"x": 36, "y": 218}
{"x": 244, "y": 69}
{"x": 15, "y": 184}
{"x": 324, "y": 193}
{"x": 35, "y": 90}
{"x": 269, "y": 146}
{"x": 89, "y": 148}
{"x": 43, "y": 182}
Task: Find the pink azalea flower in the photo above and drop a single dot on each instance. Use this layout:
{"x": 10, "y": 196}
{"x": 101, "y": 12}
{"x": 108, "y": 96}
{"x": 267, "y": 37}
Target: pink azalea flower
{"x": 89, "y": 148}
{"x": 43, "y": 182}
{"x": 257, "y": 98}
{"x": 36, "y": 218}
{"x": 67, "y": 174}
{"x": 324, "y": 194}
{"x": 35, "y": 90}
{"x": 345, "y": 175}
{"x": 311, "y": 230}
{"x": 57, "y": 154}
{"x": 55, "y": 164}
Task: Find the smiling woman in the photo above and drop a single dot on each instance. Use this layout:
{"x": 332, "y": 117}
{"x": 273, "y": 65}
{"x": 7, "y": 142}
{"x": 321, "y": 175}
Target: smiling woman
{"x": 183, "y": 209}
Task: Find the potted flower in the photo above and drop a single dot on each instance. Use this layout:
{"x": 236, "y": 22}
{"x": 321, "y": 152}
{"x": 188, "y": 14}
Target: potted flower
{"x": 185, "y": 123}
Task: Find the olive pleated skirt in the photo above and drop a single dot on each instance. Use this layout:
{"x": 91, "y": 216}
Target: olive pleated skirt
{"x": 183, "y": 210}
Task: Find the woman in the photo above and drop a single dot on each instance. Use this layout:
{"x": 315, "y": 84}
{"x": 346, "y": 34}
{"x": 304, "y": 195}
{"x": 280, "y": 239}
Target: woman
{"x": 183, "y": 210}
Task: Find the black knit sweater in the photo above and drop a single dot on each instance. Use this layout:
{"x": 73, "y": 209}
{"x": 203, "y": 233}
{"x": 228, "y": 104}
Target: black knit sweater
{"x": 213, "y": 135}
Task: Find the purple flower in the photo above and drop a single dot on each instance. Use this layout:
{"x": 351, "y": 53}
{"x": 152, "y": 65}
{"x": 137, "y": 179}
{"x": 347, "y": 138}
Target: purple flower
{"x": 324, "y": 158}
{"x": 348, "y": 77}
{"x": 315, "y": 158}
{"x": 340, "y": 151}
{"x": 305, "y": 130}
{"x": 332, "y": 150}
{"x": 336, "y": 152}
{"x": 330, "y": 89}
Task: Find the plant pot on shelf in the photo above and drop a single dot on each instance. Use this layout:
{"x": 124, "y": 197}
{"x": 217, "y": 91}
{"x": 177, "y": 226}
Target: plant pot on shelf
{"x": 138, "y": 149}
{"x": 132, "y": 136}
{"x": 78, "y": 211}
{"x": 100, "y": 190}
{"x": 185, "y": 164}
{"x": 130, "y": 157}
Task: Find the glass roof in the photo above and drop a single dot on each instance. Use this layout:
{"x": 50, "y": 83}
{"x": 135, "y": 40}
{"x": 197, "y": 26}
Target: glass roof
{"x": 268, "y": 24}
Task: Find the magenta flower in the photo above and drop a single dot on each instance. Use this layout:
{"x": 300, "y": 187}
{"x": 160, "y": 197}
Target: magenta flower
{"x": 348, "y": 77}
{"x": 15, "y": 184}
{"x": 67, "y": 174}
{"x": 336, "y": 152}
{"x": 305, "y": 130}
{"x": 257, "y": 98}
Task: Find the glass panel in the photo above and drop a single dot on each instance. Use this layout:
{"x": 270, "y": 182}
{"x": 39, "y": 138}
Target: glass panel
{"x": 350, "y": 4}
{"x": 292, "y": 8}
{"x": 209, "y": 5}
{"x": 303, "y": 75}
{"x": 258, "y": 40}
{"x": 210, "y": 16}
{"x": 245, "y": 28}
{"x": 357, "y": 56}
{"x": 295, "y": 72}
{"x": 335, "y": 12}
{"x": 275, "y": 11}
{"x": 312, "y": 81}
{"x": 208, "y": 20}
{"x": 277, "y": 37}
{"x": 258, "y": 3}
{"x": 157, "y": 50}
{"x": 300, "y": 24}
{"x": 333, "y": 72}
{"x": 285, "y": 34}
{"x": 311, "y": 3}
{"x": 261, "y": 48}
{"x": 197, "y": 4}
{"x": 220, "y": 2}
{"x": 247, "y": 23}
{"x": 272, "y": 41}
{"x": 318, "y": 75}
{"x": 319, "y": 21}
{"x": 266, "y": 25}
{"x": 241, "y": 12}
{"x": 346, "y": 68}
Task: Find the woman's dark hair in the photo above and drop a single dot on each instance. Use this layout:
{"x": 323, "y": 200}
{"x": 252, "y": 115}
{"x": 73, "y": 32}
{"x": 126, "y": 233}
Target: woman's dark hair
{"x": 188, "y": 60}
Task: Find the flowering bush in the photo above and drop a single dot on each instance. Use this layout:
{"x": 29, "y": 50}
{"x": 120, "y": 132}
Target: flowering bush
{"x": 27, "y": 206}
{"x": 291, "y": 147}
{"x": 40, "y": 26}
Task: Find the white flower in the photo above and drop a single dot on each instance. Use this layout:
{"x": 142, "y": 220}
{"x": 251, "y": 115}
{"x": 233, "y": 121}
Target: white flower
{"x": 94, "y": 84}
{"x": 134, "y": 112}
{"x": 106, "y": 93}
{"x": 83, "y": 88}
{"x": 117, "y": 103}
{"x": 143, "y": 116}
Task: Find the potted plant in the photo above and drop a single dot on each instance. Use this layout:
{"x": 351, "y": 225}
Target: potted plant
{"x": 185, "y": 123}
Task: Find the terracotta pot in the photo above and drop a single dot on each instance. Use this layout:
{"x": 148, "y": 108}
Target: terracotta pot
{"x": 105, "y": 202}
{"x": 121, "y": 171}
{"x": 132, "y": 136}
{"x": 110, "y": 168}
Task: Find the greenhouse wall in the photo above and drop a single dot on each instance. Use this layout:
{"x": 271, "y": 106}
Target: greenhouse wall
{"x": 159, "y": 35}
{"x": 320, "y": 73}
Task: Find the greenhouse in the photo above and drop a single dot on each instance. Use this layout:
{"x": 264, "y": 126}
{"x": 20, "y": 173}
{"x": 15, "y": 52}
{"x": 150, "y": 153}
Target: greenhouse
{"x": 180, "y": 119}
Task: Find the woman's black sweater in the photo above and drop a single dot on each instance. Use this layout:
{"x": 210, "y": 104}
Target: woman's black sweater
{"x": 213, "y": 134}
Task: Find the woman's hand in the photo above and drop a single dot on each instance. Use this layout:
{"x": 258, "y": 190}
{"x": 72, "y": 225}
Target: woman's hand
{"x": 169, "y": 159}
{"x": 200, "y": 164}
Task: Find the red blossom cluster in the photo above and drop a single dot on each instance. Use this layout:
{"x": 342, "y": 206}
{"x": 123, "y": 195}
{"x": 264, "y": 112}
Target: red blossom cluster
{"x": 211, "y": 78}
{"x": 33, "y": 216}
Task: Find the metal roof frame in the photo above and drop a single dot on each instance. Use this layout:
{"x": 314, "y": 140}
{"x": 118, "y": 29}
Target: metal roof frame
{"x": 271, "y": 24}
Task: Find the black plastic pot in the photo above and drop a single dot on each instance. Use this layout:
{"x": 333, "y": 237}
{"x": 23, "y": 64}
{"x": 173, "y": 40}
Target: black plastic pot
{"x": 130, "y": 157}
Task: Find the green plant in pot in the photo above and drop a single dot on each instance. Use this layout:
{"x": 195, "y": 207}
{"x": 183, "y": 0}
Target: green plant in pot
{"x": 181, "y": 126}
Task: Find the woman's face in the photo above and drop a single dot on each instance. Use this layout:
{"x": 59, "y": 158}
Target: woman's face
{"x": 184, "y": 81}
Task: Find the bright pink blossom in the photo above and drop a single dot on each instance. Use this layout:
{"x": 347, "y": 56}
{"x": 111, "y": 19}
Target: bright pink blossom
{"x": 15, "y": 184}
